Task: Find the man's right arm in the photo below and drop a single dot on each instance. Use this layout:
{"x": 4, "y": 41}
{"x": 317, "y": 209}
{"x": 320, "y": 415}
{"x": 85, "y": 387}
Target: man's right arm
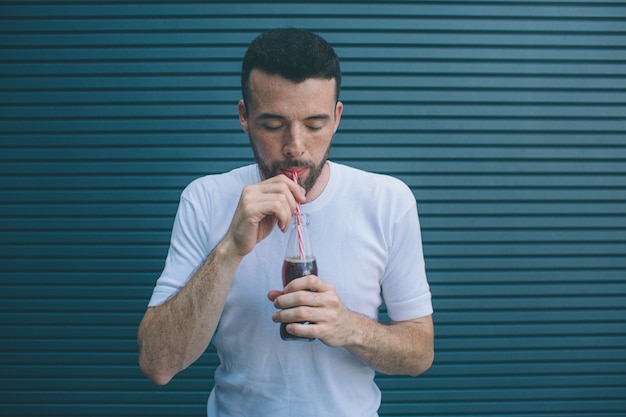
{"x": 176, "y": 333}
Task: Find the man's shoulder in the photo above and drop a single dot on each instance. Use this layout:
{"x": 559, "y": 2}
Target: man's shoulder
{"x": 227, "y": 182}
{"x": 367, "y": 180}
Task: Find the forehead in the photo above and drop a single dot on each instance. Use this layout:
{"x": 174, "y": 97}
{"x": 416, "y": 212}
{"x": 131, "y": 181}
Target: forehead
{"x": 275, "y": 91}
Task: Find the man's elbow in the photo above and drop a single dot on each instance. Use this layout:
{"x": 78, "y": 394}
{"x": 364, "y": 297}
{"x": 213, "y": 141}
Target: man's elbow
{"x": 149, "y": 354}
{"x": 423, "y": 364}
{"x": 423, "y": 351}
{"x": 156, "y": 375}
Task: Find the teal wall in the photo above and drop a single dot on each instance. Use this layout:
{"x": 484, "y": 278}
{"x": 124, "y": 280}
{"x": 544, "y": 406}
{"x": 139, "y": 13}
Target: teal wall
{"x": 506, "y": 118}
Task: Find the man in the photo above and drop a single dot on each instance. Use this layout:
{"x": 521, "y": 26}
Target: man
{"x": 228, "y": 244}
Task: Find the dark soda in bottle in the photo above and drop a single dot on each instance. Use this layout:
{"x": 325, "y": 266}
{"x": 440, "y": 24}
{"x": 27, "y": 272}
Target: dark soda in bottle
{"x": 299, "y": 262}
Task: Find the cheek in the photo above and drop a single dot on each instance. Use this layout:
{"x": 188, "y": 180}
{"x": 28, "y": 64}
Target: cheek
{"x": 266, "y": 146}
{"x": 319, "y": 145}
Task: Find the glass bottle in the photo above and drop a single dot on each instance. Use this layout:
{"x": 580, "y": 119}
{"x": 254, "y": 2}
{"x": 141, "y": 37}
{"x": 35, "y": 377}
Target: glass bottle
{"x": 299, "y": 261}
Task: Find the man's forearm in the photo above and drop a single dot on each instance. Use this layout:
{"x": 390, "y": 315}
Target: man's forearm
{"x": 175, "y": 334}
{"x": 401, "y": 348}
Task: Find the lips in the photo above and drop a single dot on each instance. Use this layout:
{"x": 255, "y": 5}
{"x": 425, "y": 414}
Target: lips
{"x": 300, "y": 171}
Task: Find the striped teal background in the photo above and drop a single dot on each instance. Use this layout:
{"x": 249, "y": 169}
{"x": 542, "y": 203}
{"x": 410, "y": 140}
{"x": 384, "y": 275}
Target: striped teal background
{"x": 506, "y": 118}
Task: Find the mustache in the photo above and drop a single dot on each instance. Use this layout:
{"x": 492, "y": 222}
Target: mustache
{"x": 284, "y": 165}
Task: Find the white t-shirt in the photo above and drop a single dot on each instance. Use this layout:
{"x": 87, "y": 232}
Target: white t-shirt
{"x": 365, "y": 234}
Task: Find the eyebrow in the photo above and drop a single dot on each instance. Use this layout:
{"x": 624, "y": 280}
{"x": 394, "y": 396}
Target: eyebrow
{"x": 318, "y": 117}
{"x": 267, "y": 116}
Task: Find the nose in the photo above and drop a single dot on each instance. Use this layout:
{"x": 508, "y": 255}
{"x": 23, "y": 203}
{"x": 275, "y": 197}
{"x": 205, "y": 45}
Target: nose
{"x": 293, "y": 143}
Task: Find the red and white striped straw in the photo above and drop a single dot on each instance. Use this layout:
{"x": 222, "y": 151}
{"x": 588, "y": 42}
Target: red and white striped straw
{"x": 294, "y": 176}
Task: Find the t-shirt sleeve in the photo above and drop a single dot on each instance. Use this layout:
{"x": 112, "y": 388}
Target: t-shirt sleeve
{"x": 188, "y": 249}
{"x": 405, "y": 288}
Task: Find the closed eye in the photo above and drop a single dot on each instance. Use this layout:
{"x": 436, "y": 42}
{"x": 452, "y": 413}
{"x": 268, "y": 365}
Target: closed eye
{"x": 317, "y": 122}
{"x": 270, "y": 122}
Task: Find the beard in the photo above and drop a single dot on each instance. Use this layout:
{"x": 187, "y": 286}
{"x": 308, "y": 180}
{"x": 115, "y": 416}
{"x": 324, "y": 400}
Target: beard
{"x": 269, "y": 171}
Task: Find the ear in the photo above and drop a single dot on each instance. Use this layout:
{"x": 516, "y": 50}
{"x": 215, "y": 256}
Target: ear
{"x": 243, "y": 115}
{"x": 338, "y": 112}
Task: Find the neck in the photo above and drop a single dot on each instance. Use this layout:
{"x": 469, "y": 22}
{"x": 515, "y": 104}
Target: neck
{"x": 320, "y": 184}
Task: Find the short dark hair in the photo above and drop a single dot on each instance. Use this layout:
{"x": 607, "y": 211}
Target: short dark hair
{"x": 294, "y": 54}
